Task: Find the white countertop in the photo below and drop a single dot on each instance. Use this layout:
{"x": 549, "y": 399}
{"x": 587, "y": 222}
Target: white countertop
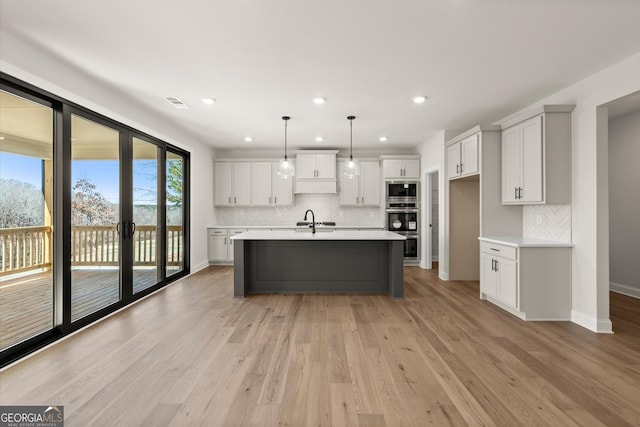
{"x": 525, "y": 242}
{"x": 290, "y": 227}
{"x": 320, "y": 235}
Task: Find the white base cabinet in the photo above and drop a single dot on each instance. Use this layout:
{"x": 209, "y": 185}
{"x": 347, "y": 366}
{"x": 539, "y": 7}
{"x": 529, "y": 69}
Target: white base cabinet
{"x": 220, "y": 246}
{"x": 531, "y": 282}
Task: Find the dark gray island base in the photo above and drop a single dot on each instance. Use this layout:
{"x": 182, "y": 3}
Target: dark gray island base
{"x": 328, "y": 262}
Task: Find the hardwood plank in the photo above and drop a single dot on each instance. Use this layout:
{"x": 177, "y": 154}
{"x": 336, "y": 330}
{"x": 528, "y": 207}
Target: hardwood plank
{"x": 191, "y": 354}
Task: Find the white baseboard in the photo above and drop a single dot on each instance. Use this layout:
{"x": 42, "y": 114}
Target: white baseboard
{"x": 434, "y": 258}
{"x": 630, "y": 291}
{"x": 443, "y": 275}
{"x": 199, "y": 267}
{"x": 601, "y": 326}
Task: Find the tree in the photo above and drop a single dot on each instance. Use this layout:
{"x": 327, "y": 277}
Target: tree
{"x": 174, "y": 182}
{"x": 89, "y": 206}
{"x": 21, "y": 204}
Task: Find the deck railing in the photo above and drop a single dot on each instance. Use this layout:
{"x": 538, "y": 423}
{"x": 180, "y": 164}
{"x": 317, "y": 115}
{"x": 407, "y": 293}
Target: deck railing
{"x": 29, "y": 248}
{"x": 24, "y": 248}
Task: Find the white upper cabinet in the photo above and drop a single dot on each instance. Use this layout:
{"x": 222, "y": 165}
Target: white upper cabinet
{"x": 232, "y": 184}
{"x": 281, "y": 189}
{"x": 222, "y": 181}
{"x": 462, "y": 158}
{"x": 362, "y": 190}
{"x": 401, "y": 168}
{"x": 261, "y": 177}
{"x": 242, "y": 184}
{"x": 370, "y": 184}
{"x": 316, "y": 171}
{"x": 316, "y": 165}
{"x": 536, "y": 158}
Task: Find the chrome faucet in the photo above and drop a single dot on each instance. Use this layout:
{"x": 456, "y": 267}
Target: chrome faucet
{"x": 313, "y": 220}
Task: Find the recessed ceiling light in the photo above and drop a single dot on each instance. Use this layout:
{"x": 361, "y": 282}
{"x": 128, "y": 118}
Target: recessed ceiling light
{"x": 209, "y": 101}
{"x": 319, "y": 100}
{"x": 319, "y": 139}
{"x": 383, "y": 139}
{"x": 1, "y": 138}
{"x": 248, "y": 139}
{"x": 419, "y": 99}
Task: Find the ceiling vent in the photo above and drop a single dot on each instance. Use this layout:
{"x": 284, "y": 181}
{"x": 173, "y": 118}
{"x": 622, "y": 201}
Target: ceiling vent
{"x": 176, "y": 102}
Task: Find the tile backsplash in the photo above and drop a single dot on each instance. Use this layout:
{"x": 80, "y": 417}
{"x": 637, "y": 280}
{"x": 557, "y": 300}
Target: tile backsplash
{"x": 549, "y": 222}
{"x": 326, "y": 207}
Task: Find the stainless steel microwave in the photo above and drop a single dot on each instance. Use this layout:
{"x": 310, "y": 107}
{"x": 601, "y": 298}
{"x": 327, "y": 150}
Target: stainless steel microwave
{"x": 402, "y": 190}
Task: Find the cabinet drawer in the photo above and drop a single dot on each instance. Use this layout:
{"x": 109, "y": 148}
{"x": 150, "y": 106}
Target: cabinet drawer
{"x": 218, "y": 232}
{"x": 233, "y": 231}
{"x": 499, "y": 250}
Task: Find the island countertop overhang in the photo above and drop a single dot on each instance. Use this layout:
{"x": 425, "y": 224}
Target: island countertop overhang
{"x": 320, "y": 235}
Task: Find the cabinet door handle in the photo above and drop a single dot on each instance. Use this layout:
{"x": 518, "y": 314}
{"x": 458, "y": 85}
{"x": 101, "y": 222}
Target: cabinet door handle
{"x": 269, "y": 199}
{"x": 235, "y": 201}
{"x": 357, "y": 200}
{"x": 275, "y": 200}
{"x": 457, "y": 169}
{"x": 225, "y": 240}
{"x": 496, "y": 266}
{"x": 515, "y": 191}
{"x": 519, "y": 192}
{"x": 362, "y": 199}
{"x": 494, "y": 249}
{"x": 461, "y": 164}
{"x": 229, "y": 199}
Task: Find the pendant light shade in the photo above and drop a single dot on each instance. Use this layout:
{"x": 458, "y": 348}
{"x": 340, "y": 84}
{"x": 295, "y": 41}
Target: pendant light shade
{"x": 286, "y": 169}
{"x": 351, "y": 168}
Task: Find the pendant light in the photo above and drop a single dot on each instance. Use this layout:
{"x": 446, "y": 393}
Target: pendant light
{"x": 286, "y": 169}
{"x": 351, "y": 168}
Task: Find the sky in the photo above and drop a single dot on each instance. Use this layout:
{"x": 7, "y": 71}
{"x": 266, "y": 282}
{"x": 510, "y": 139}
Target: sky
{"x": 102, "y": 173}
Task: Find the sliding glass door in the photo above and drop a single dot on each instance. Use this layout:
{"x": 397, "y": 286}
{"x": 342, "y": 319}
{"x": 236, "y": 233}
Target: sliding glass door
{"x": 146, "y": 243}
{"x": 26, "y": 218}
{"x": 93, "y": 216}
{"x": 96, "y": 227}
{"x": 175, "y": 208}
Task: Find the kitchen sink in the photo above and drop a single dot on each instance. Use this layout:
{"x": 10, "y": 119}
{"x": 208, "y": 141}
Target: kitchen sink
{"x": 320, "y": 226}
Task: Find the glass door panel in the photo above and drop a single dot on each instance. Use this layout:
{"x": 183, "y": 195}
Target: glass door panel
{"x": 175, "y": 209}
{"x": 145, "y": 215}
{"x": 95, "y": 217}
{"x": 26, "y": 218}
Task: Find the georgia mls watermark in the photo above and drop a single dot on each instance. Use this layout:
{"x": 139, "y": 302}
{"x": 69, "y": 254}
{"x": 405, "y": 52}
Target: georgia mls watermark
{"x": 31, "y": 416}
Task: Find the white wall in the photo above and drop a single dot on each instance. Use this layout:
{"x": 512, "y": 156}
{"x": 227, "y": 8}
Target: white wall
{"x": 624, "y": 204}
{"x": 37, "y": 67}
{"x": 589, "y": 176}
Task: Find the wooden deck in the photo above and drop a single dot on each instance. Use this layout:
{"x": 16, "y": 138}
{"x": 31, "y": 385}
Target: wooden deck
{"x": 26, "y": 303}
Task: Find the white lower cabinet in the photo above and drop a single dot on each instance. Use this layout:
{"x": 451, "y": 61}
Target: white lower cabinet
{"x": 220, "y": 245}
{"x": 217, "y": 244}
{"x": 533, "y": 283}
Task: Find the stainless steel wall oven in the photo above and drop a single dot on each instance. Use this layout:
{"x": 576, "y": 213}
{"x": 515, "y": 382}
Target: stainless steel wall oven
{"x": 403, "y": 214}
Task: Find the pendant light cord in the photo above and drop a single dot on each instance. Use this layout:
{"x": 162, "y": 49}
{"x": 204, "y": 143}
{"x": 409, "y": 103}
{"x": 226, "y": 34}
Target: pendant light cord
{"x": 351, "y": 137}
{"x": 286, "y": 119}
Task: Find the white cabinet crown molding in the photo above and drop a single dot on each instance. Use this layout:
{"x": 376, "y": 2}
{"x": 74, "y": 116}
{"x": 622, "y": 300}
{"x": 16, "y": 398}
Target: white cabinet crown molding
{"x": 472, "y": 131}
{"x": 523, "y": 115}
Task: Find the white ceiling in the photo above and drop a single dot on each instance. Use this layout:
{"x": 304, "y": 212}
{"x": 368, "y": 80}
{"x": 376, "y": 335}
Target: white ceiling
{"x": 477, "y": 61}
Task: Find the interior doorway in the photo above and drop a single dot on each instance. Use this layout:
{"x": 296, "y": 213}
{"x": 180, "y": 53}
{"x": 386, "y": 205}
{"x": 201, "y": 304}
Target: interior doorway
{"x": 623, "y": 133}
{"x": 431, "y": 194}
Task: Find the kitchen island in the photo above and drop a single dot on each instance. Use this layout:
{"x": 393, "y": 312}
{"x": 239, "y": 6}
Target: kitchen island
{"x": 325, "y": 262}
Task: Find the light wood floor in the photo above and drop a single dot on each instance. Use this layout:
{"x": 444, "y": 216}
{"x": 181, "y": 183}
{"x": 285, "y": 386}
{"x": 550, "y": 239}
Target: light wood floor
{"x": 26, "y": 302}
{"x": 193, "y": 355}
